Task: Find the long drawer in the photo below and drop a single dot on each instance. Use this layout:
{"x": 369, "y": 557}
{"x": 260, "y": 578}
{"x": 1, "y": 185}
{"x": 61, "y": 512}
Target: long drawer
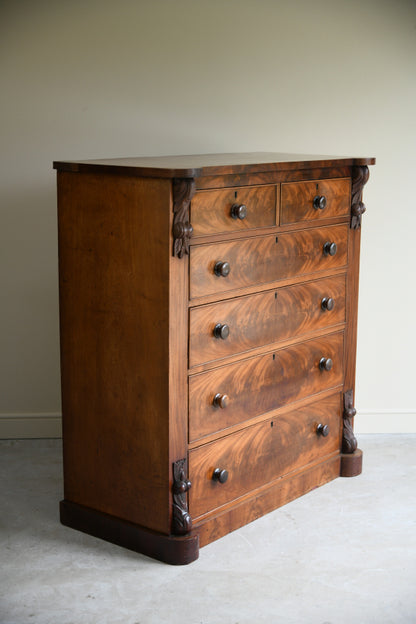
{"x": 264, "y": 318}
{"x": 221, "y": 267}
{"x": 234, "y": 393}
{"x": 261, "y": 453}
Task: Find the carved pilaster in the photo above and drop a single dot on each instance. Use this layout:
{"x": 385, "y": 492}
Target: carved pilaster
{"x": 183, "y": 190}
{"x": 359, "y": 179}
{"x": 349, "y": 441}
{"x": 181, "y": 520}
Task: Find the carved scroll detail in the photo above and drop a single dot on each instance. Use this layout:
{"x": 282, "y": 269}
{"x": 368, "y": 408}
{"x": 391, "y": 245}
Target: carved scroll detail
{"x": 181, "y": 520}
{"x": 359, "y": 179}
{"x": 349, "y": 441}
{"x": 183, "y": 190}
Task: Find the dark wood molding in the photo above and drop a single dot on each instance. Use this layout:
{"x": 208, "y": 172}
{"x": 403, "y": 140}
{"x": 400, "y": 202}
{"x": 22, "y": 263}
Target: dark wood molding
{"x": 349, "y": 441}
{"x": 359, "y": 178}
{"x": 176, "y": 550}
{"x": 181, "y": 520}
{"x": 183, "y": 189}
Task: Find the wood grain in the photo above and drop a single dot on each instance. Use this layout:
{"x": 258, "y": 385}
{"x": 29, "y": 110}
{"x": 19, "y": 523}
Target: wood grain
{"x": 265, "y": 500}
{"x": 211, "y": 210}
{"x": 264, "y": 318}
{"x": 115, "y": 345}
{"x": 260, "y": 260}
{"x": 261, "y": 454}
{"x": 263, "y": 383}
{"x": 297, "y": 200}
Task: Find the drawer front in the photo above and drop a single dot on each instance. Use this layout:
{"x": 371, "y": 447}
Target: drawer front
{"x": 306, "y": 201}
{"x": 265, "y": 259}
{"x": 229, "y": 210}
{"x": 261, "y": 453}
{"x": 260, "y": 384}
{"x": 265, "y": 318}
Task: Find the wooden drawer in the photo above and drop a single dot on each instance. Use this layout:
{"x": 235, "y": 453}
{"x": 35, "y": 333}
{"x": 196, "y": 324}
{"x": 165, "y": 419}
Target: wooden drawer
{"x": 262, "y": 453}
{"x": 264, "y": 318}
{"x": 212, "y": 211}
{"x": 260, "y": 384}
{"x": 297, "y": 200}
{"x": 260, "y": 260}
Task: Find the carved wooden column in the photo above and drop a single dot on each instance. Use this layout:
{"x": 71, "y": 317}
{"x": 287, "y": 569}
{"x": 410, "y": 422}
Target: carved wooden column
{"x": 351, "y": 457}
{"x": 359, "y": 179}
{"x": 181, "y": 520}
{"x": 183, "y": 190}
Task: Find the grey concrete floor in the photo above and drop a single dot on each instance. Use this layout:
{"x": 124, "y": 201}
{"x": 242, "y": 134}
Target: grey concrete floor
{"x": 342, "y": 553}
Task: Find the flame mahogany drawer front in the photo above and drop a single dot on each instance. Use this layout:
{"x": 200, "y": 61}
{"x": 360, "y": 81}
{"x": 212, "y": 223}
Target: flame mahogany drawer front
{"x": 234, "y": 209}
{"x": 319, "y": 199}
{"x": 265, "y": 318}
{"x": 222, "y": 267}
{"x": 263, "y": 383}
{"x": 259, "y": 454}
{"x": 208, "y": 311}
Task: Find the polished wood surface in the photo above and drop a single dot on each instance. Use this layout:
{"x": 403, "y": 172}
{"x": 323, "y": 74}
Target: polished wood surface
{"x": 264, "y": 318}
{"x": 200, "y": 165}
{"x": 263, "y": 500}
{"x": 259, "y": 260}
{"x": 260, "y": 384}
{"x": 297, "y": 200}
{"x": 211, "y": 211}
{"x": 115, "y": 345}
{"x": 208, "y": 334}
{"x": 259, "y": 454}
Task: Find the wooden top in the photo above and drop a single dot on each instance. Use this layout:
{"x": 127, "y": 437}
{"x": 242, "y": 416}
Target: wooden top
{"x": 199, "y": 165}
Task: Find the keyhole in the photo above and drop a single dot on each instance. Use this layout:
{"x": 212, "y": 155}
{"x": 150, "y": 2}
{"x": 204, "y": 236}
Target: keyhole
{"x": 235, "y": 195}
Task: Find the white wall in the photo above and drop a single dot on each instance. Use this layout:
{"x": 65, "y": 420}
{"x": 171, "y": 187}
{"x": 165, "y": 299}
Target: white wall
{"x": 87, "y": 79}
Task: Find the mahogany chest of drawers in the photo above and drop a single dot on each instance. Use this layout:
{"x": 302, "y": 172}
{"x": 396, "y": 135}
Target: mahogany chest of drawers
{"x": 208, "y": 334}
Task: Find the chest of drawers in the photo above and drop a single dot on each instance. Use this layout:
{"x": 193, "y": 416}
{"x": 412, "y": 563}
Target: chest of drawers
{"x": 208, "y": 333}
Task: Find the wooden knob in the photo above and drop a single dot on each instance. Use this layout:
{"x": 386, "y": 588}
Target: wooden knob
{"x": 221, "y": 331}
{"x": 325, "y": 364}
{"x": 322, "y": 430}
{"x": 220, "y": 475}
{"x": 220, "y": 400}
{"x": 239, "y": 211}
{"x": 319, "y": 202}
{"x": 222, "y": 269}
{"x": 327, "y": 303}
{"x": 330, "y": 249}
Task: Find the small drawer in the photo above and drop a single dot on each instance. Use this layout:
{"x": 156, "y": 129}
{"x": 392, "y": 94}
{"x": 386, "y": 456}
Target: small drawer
{"x": 264, "y": 318}
{"x": 227, "y": 469}
{"x": 220, "y": 267}
{"x": 319, "y": 199}
{"x": 234, "y": 209}
{"x": 234, "y": 393}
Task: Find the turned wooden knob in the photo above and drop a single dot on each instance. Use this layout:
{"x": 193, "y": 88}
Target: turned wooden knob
{"x": 220, "y": 475}
{"x": 322, "y": 430}
{"x": 239, "y": 211}
{"x": 327, "y": 303}
{"x": 220, "y": 400}
{"x": 222, "y": 269}
{"x": 221, "y": 331}
{"x": 319, "y": 202}
{"x": 330, "y": 249}
{"x": 325, "y": 364}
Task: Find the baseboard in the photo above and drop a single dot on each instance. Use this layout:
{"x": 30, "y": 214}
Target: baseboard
{"x": 49, "y": 425}
{"x": 385, "y": 421}
{"x": 19, "y": 426}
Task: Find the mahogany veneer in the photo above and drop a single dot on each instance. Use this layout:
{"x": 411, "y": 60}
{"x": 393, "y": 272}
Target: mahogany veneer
{"x": 208, "y": 334}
